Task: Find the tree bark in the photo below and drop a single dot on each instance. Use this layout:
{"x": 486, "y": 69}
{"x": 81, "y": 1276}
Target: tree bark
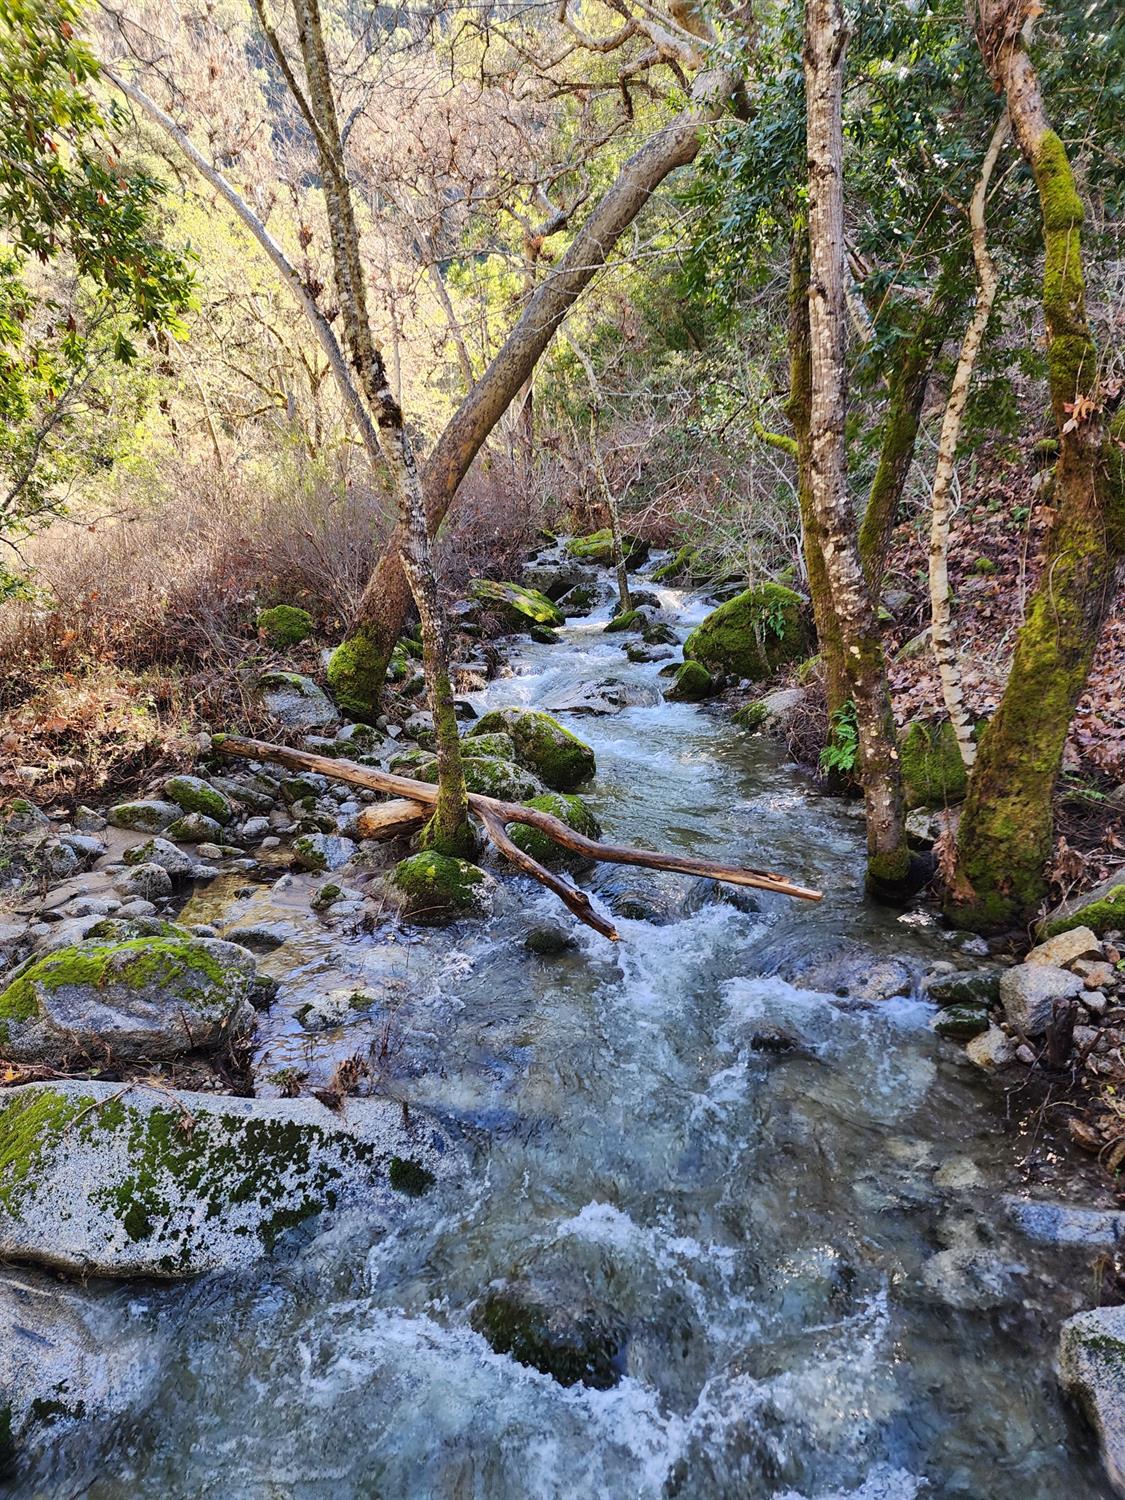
{"x": 361, "y": 668}
{"x": 941, "y": 634}
{"x": 888, "y": 859}
{"x": 1006, "y": 831}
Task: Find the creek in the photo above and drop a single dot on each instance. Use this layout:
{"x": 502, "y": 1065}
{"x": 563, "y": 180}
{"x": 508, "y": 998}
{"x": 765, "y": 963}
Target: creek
{"x": 788, "y": 1195}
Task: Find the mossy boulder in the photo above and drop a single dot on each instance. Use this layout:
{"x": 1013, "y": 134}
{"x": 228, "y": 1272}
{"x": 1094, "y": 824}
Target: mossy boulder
{"x": 570, "y": 810}
{"x": 691, "y": 684}
{"x": 579, "y": 600}
{"x": 194, "y": 794}
{"x": 322, "y": 851}
{"x": 680, "y": 567}
{"x": 434, "y": 888}
{"x": 627, "y": 620}
{"x": 195, "y": 828}
{"x": 489, "y": 775}
{"x": 597, "y": 547}
{"x": 933, "y": 773}
{"x": 149, "y": 815}
{"x": 557, "y": 1329}
{"x": 499, "y": 744}
{"x": 150, "y": 997}
{"x": 356, "y": 671}
{"x": 1091, "y": 1366}
{"x": 296, "y": 702}
{"x": 559, "y": 758}
{"x": 524, "y": 604}
{"x": 285, "y": 624}
{"x": 752, "y": 635}
{"x": 1101, "y": 909}
{"x": 143, "y": 1182}
{"x": 961, "y": 1022}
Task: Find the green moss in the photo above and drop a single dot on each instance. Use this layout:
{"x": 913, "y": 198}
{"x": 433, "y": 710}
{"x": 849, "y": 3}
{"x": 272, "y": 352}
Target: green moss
{"x": 933, "y": 772}
{"x": 597, "y": 547}
{"x": 887, "y": 873}
{"x": 436, "y": 887}
{"x": 691, "y": 683}
{"x": 410, "y": 1177}
{"x": 356, "y": 672}
{"x": 194, "y": 795}
{"x": 499, "y": 745}
{"x": 528, "y": 603}
{"x": 628, "y": 619}
{"x": 285, "y": 624}
{"x": 961, "y": 1022}
{"x": 30, "y": 1126}
{"x": 753, "y": 634}
{"x": 679, "y": 567}
{"x": 751, "y": 715}
{"x": 1107, "y": 915}
{"x": 558, "y": 757}
{"x": 570, "y": 810}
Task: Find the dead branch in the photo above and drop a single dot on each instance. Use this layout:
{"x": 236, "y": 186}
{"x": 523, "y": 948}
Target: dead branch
{"x": 495, "y": 815}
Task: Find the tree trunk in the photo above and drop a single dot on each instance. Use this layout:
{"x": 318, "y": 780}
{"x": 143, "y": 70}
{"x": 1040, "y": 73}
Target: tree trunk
{"x": 799, "y": 411}
{"x": 941, "y": 634}
{"x": 1006, "y": 831}
{"x": 359, "y": 668}
{"x": 449, "y": 831}
{"x": 888, "y": 862}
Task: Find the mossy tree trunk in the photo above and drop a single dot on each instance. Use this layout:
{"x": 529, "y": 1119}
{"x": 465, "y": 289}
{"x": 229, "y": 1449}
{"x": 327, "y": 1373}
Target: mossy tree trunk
{"x": 360, "y": 669}
{"x": 825, "y": 48}
{"x": 941, "y": 627}
{"x": 449, "y": 830}
{"x": 799, "y": 411}
{"x": 1006, "y": 830}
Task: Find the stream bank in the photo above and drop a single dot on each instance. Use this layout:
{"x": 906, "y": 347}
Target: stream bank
{"x": 731, "y": 1150}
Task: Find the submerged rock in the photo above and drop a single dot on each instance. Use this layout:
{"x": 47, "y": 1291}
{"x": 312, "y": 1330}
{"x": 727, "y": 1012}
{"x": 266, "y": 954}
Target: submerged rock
{"x": 435, "y": 888}
{"x": 837, "y": 966}
{"x": 557, "y": 1330}
{"x": 753, "y": 634}
{"x": 148, "y": 997}
{"x": 557, "y": 756}
{"x": 549, "y": 940}
{"x": 146, "y": 1183}
{"x": 608, "y": 697}
{"x": 1092, "y": 1372}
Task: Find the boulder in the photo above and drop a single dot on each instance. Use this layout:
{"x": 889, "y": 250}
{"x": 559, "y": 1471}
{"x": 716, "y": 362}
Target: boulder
{"x": 322, "y": 851}
{"x": 150, "y": 815}
{"x": 558, "y": 1330}
{"x": 557, "y": 580}
{"x": 967, "y": 987}
{"x": 991, "y": 1050}
{"x": 577, "y": 601}
{"x": 599, "y": 698}
{"x": 691, "y": 684}
{"x": 108, "y": 1181}
{"x": 149, "y": 882}
{"x": 523, "y": 604}
{"x": 296, "y": 702}
{"x": 559, "y": 758}
{"x": 933, "y": 773}
{"x": 434, "y": 888}
{"x": 22, "y": 817}
{"x": 194, "y": 794}
{"x": 753, "y": 634}
{"x": 597, "y": 547}
{"x": 1028, "y": 993}
{"x": 772, "y": 714}
{"x": 1066, "y": 948}
{"x": 679, "y": 567}
{"x": 147, "y": 997}
{"x": 961, "y": 1022}
{"x": 158, "y": 851}
{"x": 570, "y": 810}
{"x": 285, "y": 624}
{"x": 490, "y": 775}
{"x": 1101, "y": 910}
{"x": 1092, "y": 1372}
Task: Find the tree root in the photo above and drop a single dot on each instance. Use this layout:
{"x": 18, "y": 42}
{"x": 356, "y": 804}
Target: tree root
{"x": 495, "y": 815}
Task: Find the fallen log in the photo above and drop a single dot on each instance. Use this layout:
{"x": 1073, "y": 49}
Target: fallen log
{"x": 495, "y": 815}
{"x": 386, "y": 820}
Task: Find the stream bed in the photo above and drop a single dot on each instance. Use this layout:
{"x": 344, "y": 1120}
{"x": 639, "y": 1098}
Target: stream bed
{"x": 789, "y": 1197}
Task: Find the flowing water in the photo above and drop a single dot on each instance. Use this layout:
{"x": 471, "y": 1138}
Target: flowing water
{"x": 789, "y": 1197}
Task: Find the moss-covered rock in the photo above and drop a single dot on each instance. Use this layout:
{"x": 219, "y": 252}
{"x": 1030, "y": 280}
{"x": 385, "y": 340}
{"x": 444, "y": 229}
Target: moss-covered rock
{"x": 147, "y": 1183}
{"x": 150, "y": 997}
{"x": 753, "y": 634}
{"x": 296, "y": 702}
{"x": 579, "y": 600}
{"x": 628, "y": 619}
{"x": 434, "y": 888}
{"x": 1101, "y": 909}
{"x": 194, "y": 794}
{"x": 525, "y": 604}
{"x": 356, "y": 671}
{"x": 568, "y": 809}
{"x": 598, "y": 548}
{"x": 150, "y": 815}
{"x": 961, "y": 1022}
{"x": 489, "y": 775}
{"x": 500, "y": 745}
{"x": 558, "y": 757}
{"x": 195, "y": 828}
{"x": 556, "y": 1329}
{"x": 680, "y": 567}
{"x": 691, "y": 684}
{"x": 285, "y": 624}
{"x": 933, "y": 773}
{"x": 322, "y": 851}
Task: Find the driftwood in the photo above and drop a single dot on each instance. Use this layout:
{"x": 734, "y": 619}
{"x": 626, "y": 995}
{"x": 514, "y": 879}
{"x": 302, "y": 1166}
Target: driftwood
{"x": 495, "y": 815}
{"x": 386, "y": 820}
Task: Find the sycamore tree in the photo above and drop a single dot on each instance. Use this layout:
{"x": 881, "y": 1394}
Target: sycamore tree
{"x": 86, "y": 277}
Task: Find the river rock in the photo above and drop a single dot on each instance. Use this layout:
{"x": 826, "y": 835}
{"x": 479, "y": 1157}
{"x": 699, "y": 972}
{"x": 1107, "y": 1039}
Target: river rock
{"x": 961, "y": 1022}
{"x": 1028, "y": 993}
{"x": 556, "y": 1329}
{"x": 149, "y": 815}
{"x": 158, "y": 851}
{"x": 557, "y": 580}
{"x": 435, "y": 888}
{"x": 558, "y": 757}
{"x": 600, "y": 698}
{"x": 837, "y": 966}
{"x": 1092, "y": 1372}
{"x": 991, "y": 1050}
{"x": 142, "y": 1182}
{"x": 296, "y": 702}
{"x": 149, "y": 997}
{"x": 148, "y": 881}
{"x": 966, "y": 986}
{"x": 194, "y": 794}
{"x": 1066, "y": 948}
{"x": 1065, "y": 1224}
{"x": 322, "y": 851}
{"x": 752, "y": 635}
